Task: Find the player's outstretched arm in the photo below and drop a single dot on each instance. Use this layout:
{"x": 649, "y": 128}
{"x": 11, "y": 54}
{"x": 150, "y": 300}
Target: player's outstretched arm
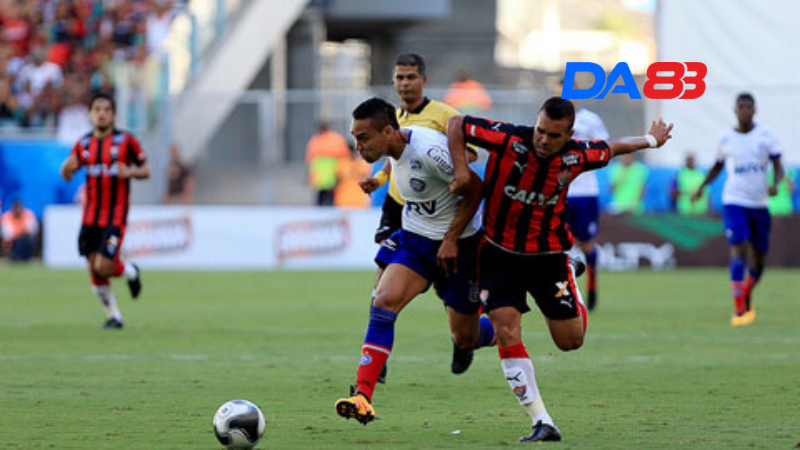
{"x": 457, "y": 145}
{"x": 70, "y": 166}
{"x": 657, "y": 136}
{"x": 710, "y": 176}
{"x": 447, "y": 256}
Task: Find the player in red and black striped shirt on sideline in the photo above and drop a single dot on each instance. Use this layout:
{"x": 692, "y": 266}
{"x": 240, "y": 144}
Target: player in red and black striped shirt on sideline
{"x": 526, "y": 234}
{"x": 111, "y": 158}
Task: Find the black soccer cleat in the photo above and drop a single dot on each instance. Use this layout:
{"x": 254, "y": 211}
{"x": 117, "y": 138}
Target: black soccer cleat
{"x": 135, "y": 284}
{"x": 462, "y": 359}
{"x": 384, "y": 372}
{"x": 542, "y": 432}
{"x": 112, "y": 324}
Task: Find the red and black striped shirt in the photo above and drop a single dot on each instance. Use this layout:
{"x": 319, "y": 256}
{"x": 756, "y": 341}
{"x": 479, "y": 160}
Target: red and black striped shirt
{"x": 107, "y": 196}
{"x": 525, "y": 196}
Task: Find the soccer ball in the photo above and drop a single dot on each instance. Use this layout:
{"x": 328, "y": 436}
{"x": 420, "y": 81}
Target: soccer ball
{"x": 238, "y": 424}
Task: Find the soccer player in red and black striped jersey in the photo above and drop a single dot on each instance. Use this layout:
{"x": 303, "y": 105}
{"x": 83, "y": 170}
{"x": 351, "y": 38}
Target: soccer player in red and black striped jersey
{"x": 111, "y": 158}
{"x": 526, "y": 235}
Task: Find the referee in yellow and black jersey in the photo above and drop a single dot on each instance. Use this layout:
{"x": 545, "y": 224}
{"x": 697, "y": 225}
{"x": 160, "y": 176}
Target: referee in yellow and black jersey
{"x": 417, "y": 109}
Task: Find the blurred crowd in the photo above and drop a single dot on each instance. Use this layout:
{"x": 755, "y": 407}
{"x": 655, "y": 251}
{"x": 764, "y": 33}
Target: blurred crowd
{"x": 55, "y": 53}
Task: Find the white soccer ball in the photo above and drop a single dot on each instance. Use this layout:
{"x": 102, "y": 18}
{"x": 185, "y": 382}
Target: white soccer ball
{"x": 238, "y": 424}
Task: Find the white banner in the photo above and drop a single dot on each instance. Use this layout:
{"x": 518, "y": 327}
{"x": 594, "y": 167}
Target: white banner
{"x": 747, "y": 45}
{"x": 222, "y": 237}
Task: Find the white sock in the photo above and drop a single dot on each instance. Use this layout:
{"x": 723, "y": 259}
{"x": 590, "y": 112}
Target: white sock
{"x": 130, "y": 271}
{"x": 522, "y": 379}
{"x": 106, "y": 297}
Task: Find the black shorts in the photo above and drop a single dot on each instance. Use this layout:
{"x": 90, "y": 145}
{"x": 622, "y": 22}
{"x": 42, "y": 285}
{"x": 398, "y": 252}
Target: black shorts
{"x": 104, "y": 240}
{"x": 505, "y": 278}
{"x": 391, "y": 219}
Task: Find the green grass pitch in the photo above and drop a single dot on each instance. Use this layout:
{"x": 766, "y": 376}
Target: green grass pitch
{"x": 661, "y": 367}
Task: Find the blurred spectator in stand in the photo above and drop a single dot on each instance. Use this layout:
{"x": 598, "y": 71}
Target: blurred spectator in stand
{"x": 628, "y": 179}
{"x": 686, "y": 183}
{"x": 158, "y": 24}
{"x": 467, "y": 95}
{"x": 9, "y": 105}
{"x": 67, "y": 32}
{"x": 348, "y": 193}
{"x": 782, "y": 203}
{"x": 16, "y": 29}
{"x": 40, "y": 73}
{"x": 19, "y": 232}
{"x": 323, "y": 153}
{"x": 10, "y": 65}
{"x": 180, "y": 182}
{"x": 73, "y": 120}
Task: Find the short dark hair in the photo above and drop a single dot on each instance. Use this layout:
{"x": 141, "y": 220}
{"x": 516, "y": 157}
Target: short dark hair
{"x": 412, "y": 60}
{"x": 103, "y": 96}
{"x": 558, "y": 108}
{"x": 379, "y": 111}
{"x": 746, "y": 96}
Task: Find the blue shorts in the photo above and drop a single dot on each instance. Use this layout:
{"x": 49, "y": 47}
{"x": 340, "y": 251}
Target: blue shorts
{"x": 418, "y": 253}
{"x": 747, "y": 224}
{"x": 582, "y": 217}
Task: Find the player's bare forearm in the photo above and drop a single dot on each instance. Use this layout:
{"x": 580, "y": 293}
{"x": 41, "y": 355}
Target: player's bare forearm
{"x": 457, "y": 145}
{"x": 657, "y": 136}
{"x": 779, "y": 172}
{"x": 141, "y": 172}
{"x": 621, "y": 146}
{"x": 69, "y": 168}
{"x": 467, "y": 207}
{"x": 711, "y": 176}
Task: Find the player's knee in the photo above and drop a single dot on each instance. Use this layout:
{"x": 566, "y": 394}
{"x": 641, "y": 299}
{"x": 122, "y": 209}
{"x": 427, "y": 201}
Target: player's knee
{"x": 103, "y": 267}
{"x": 387, "y": 300}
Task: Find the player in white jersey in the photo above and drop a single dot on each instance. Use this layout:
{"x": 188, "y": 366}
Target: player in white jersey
{"x": 437, "y": 245}
{"x": 583, "y": 204}
{"x": 746, "y": 152}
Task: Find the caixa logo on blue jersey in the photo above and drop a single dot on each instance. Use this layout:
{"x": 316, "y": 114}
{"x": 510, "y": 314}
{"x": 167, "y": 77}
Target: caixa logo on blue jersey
{"x": 422, "y": 208}
{"x": 749, "y": 168}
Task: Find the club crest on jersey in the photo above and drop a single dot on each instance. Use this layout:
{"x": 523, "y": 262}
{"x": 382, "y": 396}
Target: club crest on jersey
{"x": 417, "y": 185}
{"x": 416, "y": 164}
{"x": 570, "y": 159}
{"x": 520, "y": 148}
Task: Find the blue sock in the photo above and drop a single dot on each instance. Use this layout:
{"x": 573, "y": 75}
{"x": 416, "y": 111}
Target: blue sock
{"x": 487, "y": 333}
{"x": 591, "y": 257}
{"x": 737, "y": 270}
{"x": 381, "y": 327}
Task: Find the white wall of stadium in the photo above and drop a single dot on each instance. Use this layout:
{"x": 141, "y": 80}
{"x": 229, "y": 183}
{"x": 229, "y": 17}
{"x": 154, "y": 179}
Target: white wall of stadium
{"x": 227, "y": 237}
